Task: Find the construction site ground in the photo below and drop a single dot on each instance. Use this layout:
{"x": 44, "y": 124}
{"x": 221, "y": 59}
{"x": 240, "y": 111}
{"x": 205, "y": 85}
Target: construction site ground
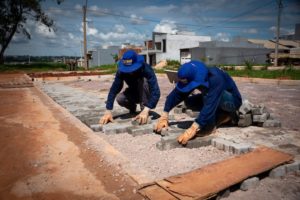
{"x": 48, "y": 153}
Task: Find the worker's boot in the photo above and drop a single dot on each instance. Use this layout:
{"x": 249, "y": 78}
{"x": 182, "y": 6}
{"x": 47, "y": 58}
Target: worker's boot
{"x": 223, "y": 118}
{"x": 132, "y": 109}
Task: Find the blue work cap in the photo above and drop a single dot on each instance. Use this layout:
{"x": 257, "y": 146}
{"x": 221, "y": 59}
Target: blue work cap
{"x": 130, "y": 62}
{"x": 192, "y": 75}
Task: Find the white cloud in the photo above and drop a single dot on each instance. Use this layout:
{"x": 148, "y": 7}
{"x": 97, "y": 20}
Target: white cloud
{"x": 283, "y": 31}
{"x": 44, "y": 31}
{"x": 78, "y": 7}
{"x": 166, "y": 26}
{"x": 225, "y": 37}
{"x": 96, "y": 11}
{"x": 89, "y": 30}
{"x": 136, "y": 19}
{"x": 113, "y": 36}
{"x": 119, "y": 28}
{"x": 250, "y": 30}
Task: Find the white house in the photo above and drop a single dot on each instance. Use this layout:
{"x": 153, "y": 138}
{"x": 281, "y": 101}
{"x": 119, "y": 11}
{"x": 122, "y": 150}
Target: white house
{"x": 166, "y": 46}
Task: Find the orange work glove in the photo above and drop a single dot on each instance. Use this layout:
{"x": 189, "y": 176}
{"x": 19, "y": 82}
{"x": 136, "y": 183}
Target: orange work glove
{"x": 107, "y": 117}
{"x": 189, "y": 133}
{"x": 163, "y": 122}
{"x": 142, "y": 118}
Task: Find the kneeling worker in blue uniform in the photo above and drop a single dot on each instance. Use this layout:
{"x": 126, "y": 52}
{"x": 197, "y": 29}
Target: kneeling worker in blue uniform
{"x": 142, "y": 88}
{"x": 218, "y": 100}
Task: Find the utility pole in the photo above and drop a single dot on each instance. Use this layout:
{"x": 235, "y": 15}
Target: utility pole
{"x": 279, "y": 2}
{"x": 85, "y": 63}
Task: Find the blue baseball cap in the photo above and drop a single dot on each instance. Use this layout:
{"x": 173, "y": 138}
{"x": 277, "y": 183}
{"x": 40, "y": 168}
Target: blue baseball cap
{"x": 130, "y": 62}
{"x": 192, "y": 75}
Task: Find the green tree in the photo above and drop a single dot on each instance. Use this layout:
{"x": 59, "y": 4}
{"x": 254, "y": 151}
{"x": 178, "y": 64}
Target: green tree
{"x": 13, "y": 17}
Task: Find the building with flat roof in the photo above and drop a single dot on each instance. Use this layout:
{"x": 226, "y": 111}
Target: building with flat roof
{"x": 165, "y": 46}
{"x": 236, "y": 52}
{"x": 103, "y": 55}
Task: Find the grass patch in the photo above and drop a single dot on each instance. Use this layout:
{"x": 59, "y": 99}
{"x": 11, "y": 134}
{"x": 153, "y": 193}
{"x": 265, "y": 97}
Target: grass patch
{"x": 105, "y": 69}
{"x": 33, "y": 67}
{"x": 280, "y": 74}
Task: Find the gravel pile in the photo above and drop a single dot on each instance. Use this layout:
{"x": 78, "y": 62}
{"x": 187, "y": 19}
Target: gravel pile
{"x": 143, "y": 155}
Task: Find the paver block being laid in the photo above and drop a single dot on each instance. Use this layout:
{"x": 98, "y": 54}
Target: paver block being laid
{"x": 171, "y": 131}
{"x": 249, "y": 183}
{"x": 170, "y": 142}
{"x": 140, "y": 129}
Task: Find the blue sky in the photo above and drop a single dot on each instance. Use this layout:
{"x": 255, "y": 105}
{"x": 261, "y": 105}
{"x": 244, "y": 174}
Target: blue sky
{"x": 113, "y": 22}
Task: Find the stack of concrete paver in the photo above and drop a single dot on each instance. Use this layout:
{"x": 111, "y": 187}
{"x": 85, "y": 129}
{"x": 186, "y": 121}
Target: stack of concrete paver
{"x": 250, "y": 114}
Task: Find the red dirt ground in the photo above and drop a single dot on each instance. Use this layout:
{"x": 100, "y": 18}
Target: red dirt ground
{"x": 44, "y": 156}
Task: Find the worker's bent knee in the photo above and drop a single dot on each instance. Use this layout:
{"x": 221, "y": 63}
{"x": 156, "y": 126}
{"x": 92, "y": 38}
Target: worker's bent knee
{"x": 122, "y": 100}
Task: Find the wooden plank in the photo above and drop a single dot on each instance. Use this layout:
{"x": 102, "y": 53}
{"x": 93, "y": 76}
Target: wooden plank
{"x": 206, "y": 182}
{"x": 211, "y": 179}
{"x": 155, "y": 192}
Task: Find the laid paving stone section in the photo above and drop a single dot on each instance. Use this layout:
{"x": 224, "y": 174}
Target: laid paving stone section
{"x": 86, "y": 107}
{"x": 89, "y": 108}
{"x": 92, "y": 108}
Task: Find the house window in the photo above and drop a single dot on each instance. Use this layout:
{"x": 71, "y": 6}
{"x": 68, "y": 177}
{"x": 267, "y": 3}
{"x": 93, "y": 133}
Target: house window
{"x": 158, "y": 45}
{"x": 164, "y": 45}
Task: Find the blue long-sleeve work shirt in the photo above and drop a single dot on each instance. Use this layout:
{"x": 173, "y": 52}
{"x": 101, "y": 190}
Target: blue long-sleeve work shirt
{"x": 219, "y": 81}
{"x": 132, "y": 80}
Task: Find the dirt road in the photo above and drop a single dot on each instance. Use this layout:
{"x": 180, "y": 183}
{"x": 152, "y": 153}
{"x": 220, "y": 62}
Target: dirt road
{"x": 43, "y": 155}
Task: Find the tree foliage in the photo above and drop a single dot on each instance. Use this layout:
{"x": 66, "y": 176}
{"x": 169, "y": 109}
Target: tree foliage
{"x": 13, "y": 17}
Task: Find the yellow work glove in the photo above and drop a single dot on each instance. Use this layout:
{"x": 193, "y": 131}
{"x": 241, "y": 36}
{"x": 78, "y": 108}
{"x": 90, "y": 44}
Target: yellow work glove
{"x": 163, "y": 122}
{"x": 189, "y": 133}
{"x": 107, "y": 117}
{"x": 142, "y": 118}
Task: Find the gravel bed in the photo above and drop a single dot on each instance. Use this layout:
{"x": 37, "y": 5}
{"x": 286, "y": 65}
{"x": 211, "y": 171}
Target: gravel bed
{"x": 143, "y": 155}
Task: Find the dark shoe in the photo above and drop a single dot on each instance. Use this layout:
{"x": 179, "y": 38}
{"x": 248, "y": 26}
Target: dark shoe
{"x": 132, "y": 110}
{"x": 223, "y": 118}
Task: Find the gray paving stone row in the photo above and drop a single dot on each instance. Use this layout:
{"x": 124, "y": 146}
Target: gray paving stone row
{"x": 272, "y": 123}
{"x": 86, "y": 107}
{"x": 230, "y": 146}
{"x": 170, "y": 142}
{"x": 249, "y": 183}
{"x": 140, "y": 130}
{"x": 282, "y": 170}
